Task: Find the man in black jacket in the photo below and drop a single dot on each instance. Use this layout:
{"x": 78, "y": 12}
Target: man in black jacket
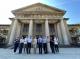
{"x": 16, "y": 44}
{"x": 52, "y": 44}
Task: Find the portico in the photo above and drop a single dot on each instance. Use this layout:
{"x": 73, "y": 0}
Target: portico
{"x": 38, "y": 20}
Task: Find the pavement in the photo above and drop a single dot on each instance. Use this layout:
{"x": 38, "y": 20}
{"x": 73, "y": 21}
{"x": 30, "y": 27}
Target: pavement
{"x": 65, "y": 53}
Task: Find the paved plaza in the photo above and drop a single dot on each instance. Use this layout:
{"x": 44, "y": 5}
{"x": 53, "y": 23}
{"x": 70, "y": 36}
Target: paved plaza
{"x": 65, "y": 53}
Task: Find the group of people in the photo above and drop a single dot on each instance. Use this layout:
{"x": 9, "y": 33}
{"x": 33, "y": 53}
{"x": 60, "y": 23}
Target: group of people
{"x": 28, "y": 42}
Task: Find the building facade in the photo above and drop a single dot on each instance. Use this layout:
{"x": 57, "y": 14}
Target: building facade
{"x": 4, "y": 28}
{"x": 39, "y": 20}
{"x": 74, "y": 30}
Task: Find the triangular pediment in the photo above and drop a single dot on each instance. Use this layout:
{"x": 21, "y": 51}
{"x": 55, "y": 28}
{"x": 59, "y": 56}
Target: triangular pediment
{"x": 39, "y": 7}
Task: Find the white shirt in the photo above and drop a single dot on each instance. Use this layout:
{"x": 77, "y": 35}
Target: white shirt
{"x": 25, "y": 40}
{"x": 44, "y": 40}
{"x": 40, "y": 40}
{"x": 21, "y": 40}
{"x": 29, "y": 40}
{"x": 55, "y": 40}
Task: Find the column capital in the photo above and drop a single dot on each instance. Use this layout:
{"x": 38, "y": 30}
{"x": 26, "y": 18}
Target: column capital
{"x": 46, "y": 18}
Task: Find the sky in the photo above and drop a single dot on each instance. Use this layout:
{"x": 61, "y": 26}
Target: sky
{"x": 72, "y": 8}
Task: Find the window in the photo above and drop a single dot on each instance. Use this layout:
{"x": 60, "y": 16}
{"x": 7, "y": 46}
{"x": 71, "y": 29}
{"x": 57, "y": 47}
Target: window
{"x": 51, "y": 28}
{"x": 39, "y": 28}
{"x": 25, "y": 27}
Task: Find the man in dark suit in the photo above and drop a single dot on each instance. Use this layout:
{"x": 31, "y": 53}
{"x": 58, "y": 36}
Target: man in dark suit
{"x": 52, "y": 44}
{"x": 16, "y": 44}
{"x": 40, "y": 41}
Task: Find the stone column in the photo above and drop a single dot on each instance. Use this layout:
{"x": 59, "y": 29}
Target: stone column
{"x": 9, "y": 32}
{"x": 47, "y": 34}
{"x": 47, "y": 28}
{"x": 18, "y": 29}
{"x": 64, "y": 33}
{"x": 59, "y": 34}
{"x": 13, "y": 32}
{"x": 30, "y": 28}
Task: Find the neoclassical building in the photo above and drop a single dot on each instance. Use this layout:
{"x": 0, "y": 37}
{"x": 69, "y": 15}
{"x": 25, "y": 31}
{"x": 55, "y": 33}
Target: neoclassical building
{"x": 38, "y": 20}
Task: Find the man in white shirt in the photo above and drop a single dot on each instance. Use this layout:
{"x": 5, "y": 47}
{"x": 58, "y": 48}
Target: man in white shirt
{"x": 56, "y": 44}
{"x": 25, "y": 44}
{"x": 29, "y": 41}
{"x": 21, "y": 45}
{"x": 45, "y": 44}
{"x": 40, "y": 41}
